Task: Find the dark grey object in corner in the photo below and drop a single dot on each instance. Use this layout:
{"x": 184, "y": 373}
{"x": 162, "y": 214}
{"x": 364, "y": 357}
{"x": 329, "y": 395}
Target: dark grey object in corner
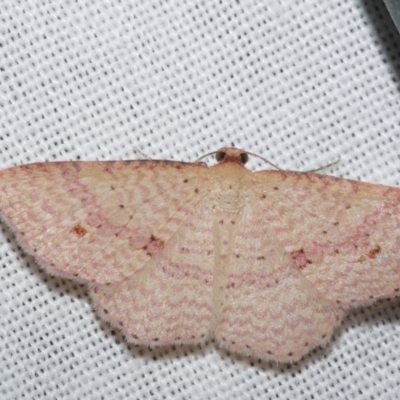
{"x": 394, "y": 9}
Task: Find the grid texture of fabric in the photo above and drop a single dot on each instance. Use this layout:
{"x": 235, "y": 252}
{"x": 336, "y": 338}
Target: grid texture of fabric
{"x": 301, "y": 82}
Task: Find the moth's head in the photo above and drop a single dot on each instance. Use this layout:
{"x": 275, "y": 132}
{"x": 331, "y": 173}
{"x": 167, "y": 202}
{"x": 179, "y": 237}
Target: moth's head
{"x": 231, "y": 155}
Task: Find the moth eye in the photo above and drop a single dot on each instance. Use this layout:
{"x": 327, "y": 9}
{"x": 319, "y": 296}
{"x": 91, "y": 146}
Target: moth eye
{"x": 220, "y": 155}
{"x": 244, "y": 157}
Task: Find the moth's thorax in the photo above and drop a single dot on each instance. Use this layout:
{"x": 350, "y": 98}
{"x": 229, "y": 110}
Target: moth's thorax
{"x": 231, "y": 187}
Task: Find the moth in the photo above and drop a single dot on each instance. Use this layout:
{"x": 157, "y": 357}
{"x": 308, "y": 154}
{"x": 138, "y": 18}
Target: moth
{"x": 266, "y": 263}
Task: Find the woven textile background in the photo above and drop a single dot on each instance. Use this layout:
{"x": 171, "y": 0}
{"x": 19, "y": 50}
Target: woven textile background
{"x": 301, "y": 82}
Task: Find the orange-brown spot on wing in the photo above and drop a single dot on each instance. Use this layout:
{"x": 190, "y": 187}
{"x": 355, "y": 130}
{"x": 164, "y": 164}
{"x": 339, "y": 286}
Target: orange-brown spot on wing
{"x": 153, "y": 246}
{"x": 373, "y": 252}
{"x": 300, "y": 259}
{"x": 79, "y": 230}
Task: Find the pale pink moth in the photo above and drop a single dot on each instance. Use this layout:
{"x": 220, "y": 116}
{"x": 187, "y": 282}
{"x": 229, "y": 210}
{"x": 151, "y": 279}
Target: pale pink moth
{"x": 266, "y": 263}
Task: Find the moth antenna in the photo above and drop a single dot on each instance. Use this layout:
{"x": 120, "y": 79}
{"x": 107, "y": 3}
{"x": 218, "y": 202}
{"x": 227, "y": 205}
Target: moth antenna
{"x": 141, "y": 153}
{"x": 206, "y": 155}
{"x": 265, "y": 160}
{"x": 325, "y": 166}
{"x": 311, "y": 170}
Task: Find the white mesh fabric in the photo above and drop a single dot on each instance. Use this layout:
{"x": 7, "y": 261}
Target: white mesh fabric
{"x": 300, "y": 82}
